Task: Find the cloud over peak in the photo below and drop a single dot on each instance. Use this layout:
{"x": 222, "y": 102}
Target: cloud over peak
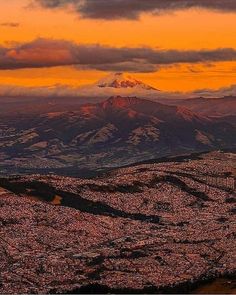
{"x": 132, "y": 9}
{"x": 50, "y": 53}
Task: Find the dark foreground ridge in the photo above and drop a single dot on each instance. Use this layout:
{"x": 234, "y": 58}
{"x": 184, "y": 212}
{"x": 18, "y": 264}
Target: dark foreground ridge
{"x": 150, "y": 228}
{"x": 184, "y": 288}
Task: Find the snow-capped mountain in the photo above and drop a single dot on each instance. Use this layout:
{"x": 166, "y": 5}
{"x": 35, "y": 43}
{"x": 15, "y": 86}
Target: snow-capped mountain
{"x": 122, "y": 80}
{"x": 119, "y": 84}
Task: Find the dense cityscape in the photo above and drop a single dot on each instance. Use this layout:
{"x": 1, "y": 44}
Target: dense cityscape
{"x": 150, "y": 227}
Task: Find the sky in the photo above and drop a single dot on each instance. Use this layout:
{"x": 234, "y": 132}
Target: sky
{"x": 173, "y": 45}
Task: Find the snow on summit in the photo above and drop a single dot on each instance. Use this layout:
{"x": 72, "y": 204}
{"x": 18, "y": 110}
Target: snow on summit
{"x": 119, "y": 84}
{"x": 122, "y": 80}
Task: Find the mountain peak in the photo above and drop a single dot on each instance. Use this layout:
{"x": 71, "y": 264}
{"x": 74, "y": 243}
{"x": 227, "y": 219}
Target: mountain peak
{"x": 122, "y": 80}
{"x": 120, "y": 102}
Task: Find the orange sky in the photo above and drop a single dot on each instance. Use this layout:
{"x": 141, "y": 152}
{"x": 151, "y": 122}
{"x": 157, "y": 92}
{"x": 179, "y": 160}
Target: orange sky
{"x": 192, "y": 29}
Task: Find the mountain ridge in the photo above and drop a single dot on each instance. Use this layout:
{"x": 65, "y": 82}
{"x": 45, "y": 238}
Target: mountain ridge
{"x": 115, "y": 132}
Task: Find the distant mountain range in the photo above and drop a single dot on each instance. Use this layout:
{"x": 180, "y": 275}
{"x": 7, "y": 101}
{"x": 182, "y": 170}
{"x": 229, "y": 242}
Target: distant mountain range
{"x": 223, "y": 106}
{"x": 114, "y": 84}
{"x": 115, "y": 132}
{"x": 61, "y": 98}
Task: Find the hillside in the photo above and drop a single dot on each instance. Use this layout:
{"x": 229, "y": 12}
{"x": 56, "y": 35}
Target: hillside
{"x": 115, "y": 132}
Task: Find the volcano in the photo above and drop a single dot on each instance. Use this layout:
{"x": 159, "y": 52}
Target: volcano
{"x": 122, "y": 80}
{"x": 119, "y": 84}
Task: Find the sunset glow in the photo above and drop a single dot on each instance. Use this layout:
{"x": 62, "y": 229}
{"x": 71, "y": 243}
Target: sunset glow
{"x": 194, "y": 29}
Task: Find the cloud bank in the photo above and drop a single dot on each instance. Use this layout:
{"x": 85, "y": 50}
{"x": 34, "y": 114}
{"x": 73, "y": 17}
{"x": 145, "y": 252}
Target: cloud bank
{"x": 50, "y": 53}
{"x": 221, "y": 92}
{"x": 92, "y": 91}
{"x": 132, "y": 9}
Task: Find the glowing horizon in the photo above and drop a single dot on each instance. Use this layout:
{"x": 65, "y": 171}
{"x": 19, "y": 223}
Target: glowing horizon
{"x": 193, "y": 29}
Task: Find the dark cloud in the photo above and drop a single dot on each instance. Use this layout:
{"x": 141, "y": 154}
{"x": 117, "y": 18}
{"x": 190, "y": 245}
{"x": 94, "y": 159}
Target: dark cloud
{"x": 10, "y": 24}
{"x": 50, "y": 53}
{"x": 132, "y": 9}
{"x": 135, "y": 67}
